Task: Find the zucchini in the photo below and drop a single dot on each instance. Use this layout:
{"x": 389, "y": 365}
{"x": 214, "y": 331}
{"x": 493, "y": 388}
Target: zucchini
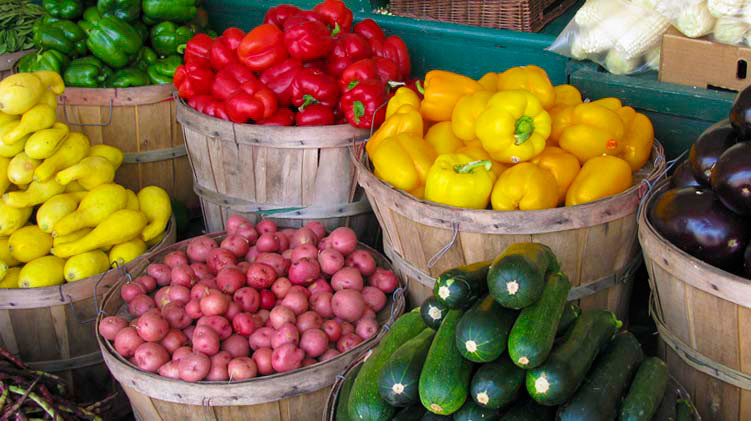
{"x": 429, "y": 416}
{"x": 364, "y": 401}
{"x": 397, "y": 383}
{"x": 684, "y": 410}
{"x": 433, "y": 311}
{"x": 410, "y": 413}
{"x": 516, "y": 278}
{"x": 497, "y": 383}
{"x": 529, "y": 410}
{"x": 531, "y": 339}
{"x": 462, "y": 286}
{"x": 597, "y": 399}
{"x": 445, "y": 376}
{"x": 570, "y": 313}
{"x": 344, "y": 391}
{"x": 471, "y": 411}
{"x": 646, "y": 391}
{"x": 557, "y": 379}
{"x": 482, "y": 332}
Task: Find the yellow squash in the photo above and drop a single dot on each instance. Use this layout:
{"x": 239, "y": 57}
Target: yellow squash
{"x": 599, "y": 177}
{"x": 5, "y": 255}
{"x": 39, "y": 117}
{"x": 85, "y": 265}
{"x": 525, "y": 186}
{"x": 155, "y": 203}
{"x": 76, "y": 235}
{"x": 125, "y": 252}
{"x": 45, "y": 271}
{"x": 94, "y": 208}
{"x": 74, "y": 148}
{"x": 4, "y": 181}
{"x": 12, "y": 218}
{"x": 20, "y": 92}
{"x": 29, "y": 243}
{"x": 56, "y": 208}
{"x": 112, "y": 154}
{"x": 132, "y": 200}
{"x": 44, "y": 143}
{"x": 35, "y": 194}
{"x": 10, "y": 280}
{"x": 119, "y": 227}
{"x": 21, "y": 169}
{"x": 92, "y": 171}
{"x": 9, "y": 151}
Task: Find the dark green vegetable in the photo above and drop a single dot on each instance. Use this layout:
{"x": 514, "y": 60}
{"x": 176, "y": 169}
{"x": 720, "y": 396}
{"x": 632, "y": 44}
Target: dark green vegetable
{"x": 517, "y": 277}
{"x": 410, "y": 413}
{"x": 168, "y": 38}
{"x": 146, "y": 57}
{"x": 471, "y": 411}
{"x": 48, "y": 60}
{"x": 161, "y": 72}
{"x": 172, "y": 10}
{"x": 59, "y": 35}
{"x": 646, "y": 391}
{"x": 482, "y": 332}
{"x": 496, "y": 383}
{"x": 570, "y": 313}
{"x": 17, "y": 19}
{"x": 63, "y": 9}
{"x": 529, "y": 410}
{"x": 125, "y": 10}
{"x": 129, "y": 77}
{"x": 111, "y": 40}
{"x": 462, "y": 286}
{"x": 433, "y": 311}
{"x": 344, "y": 391}
{"x": 429, "y": 416}
{"x": 87, "y": 72}
{"x": 397, "y": 383}
{"x": 684, "y": 410}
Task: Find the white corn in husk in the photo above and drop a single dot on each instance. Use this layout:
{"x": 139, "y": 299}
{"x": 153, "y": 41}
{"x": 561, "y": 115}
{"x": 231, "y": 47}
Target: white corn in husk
{"x": 695, "y": 21}
{"x": 726, "y": 8}
{"x": 730, "y": 31}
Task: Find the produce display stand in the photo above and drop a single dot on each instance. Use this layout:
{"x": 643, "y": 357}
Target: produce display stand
{"x": 7, "y": 61}
{"x": 299, "y": 395}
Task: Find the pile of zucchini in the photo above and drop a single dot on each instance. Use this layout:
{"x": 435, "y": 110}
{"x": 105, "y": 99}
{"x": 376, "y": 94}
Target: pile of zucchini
{"x": 499, "y": 341}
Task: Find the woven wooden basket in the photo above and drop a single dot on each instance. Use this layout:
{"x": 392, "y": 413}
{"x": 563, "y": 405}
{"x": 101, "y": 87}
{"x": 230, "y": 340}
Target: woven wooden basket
{"x": 516, "y": 15}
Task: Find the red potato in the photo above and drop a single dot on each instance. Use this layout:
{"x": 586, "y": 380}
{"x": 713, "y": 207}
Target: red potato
{"x": 374, "y": 298}
{"x": 110, "y": 326}
{"x": 299, "y": 288}
{"x": 243, "y": 324}
{"x": 304, "y": 250}
{"x": 348, "y": 305}
{"x": 384, "y": 279}
{"x": 201, "y": 270}
{"x": 268, "y": 299}
{"x": 329, "y": 354}
{"x": 276, "y": 261}
{"x": 266, "y": 226}
{"x": 261, "y": 338}
{"x": 140, "y": 304}
{"x": 262, "y": 358}
{"x": 150, "y": 356}
{"x": 243, "y": 266}
{"x": 193, "y": 309}
{"x": 248, "y": 232}
{"x": 362, "y": 260}
{"x": 260, "y": 275}
{"x": 309, "y": 320}
{"x": 232, "y": 310}
{"x": 308, "y": 361}
{"x": 314, "y": 342}
{"x": 280, "y": 315}
{"x": 188, "y": 331}
{"x": 221, "y": 357}
{"x": 126, "y": 341}
{"x": 321, "y": 304}
{"x": 296, "y": 301}
{"x": 200, "y": 247}
{"x": 236, "y": 244}
{"x": 205, "y": 340}
{"x": 178, "y": 294}
{"x": 170, "y": 370}
{"x": 319, "y": 285}
{"x": 280, "y": 287}
{"x": 181, "y": 352}
{"x": 248, "y": 299}
{"x": 283, "y": 241}
{"x": 176, "y": 316}
{"x": 252, "y": 254}
{"x": 218, "y": 370}
{"x": 173, "y": 340}
{"x": 366, "y": 328}
{"x": 287, "y": 255}
{"x": 147, "y": 282}
{"x": 331, "y": 261}
{"x": 199, "y": 291}
{"x": 287, "y": 232}
{"x": 242, "y": 368}
{"x": 347, "y": 342}
{"x": 220, "y": 258}
{"x": 324, "y": 244}
{"x": 131, "y": 290}
{"x": 237, "y": 346}
{"x": 234, "y": 221}
{"x": 286, "y": 334}
{"x": 230, "y": 279}
{"x": 368, "y": 313}
{"x": 347, "y": 278}
{"x": 303, "y": 236}
{"x": 344, "y": 240}
{"x": 263, "y": 314}
{"x": 287, "y": 357}
{"x": 152, "y": 327}
{"x": 258, "y": 321}
{"x": 183, "y": 275}
{"x": 176, "y": 258}
{"x": 268, "y": 242}
{"x": 209, "y": 282}
{"x": 194, "y": 367}
{"x": 160, "y": 272}
{"x": 332, "y": 329}
{"x": 347, "y": 327}
{"x": 215, "y": 303}
{"x": 161, "y": 298}
{"x": 317, "y": 228}
{"x": 304, "y": 271}
{"x": 219, "y": 324}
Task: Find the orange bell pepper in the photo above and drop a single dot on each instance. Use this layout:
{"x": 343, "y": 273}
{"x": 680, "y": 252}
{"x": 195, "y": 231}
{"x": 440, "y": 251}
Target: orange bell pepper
{"x": 442, "y": 90}
{"x": 563, "y": 165}
{"x": 639, "y": 138}
{"x": 567, "y": 95}
{"x": 594, "y": 130}
{"x": 489, "y": 81}
{"x": 600, "y": 177}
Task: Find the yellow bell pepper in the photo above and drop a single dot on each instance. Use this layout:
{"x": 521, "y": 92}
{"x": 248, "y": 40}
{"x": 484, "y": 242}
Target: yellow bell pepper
{"x": 567, "y": 95}
{"x": 611, "y": 103}
{"x": 405, "y": 120}
{"x": 442, "y": 90}
{"x": 525, "y": 186}
{"x": 474, "y": 150}
{"x": 489, "y": 81}
{"x": 465, "y": 114}
{"x": 403, "y": 160}
{"x": 442, "y": 137}
{"x": 457, "y": 180}
{"x": 532, "y": 79}
{"x": 594, "y": 130}
{"x": 599, "y": 177}
{"x": 639, "y": 138}
{"x": 402, "y": 96}
{"x": 562, "y": 165}
{"x": 513, "y": 128}
{"x": 561, "y": 116}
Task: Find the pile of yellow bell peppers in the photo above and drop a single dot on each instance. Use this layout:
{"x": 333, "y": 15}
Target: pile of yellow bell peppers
{"x": 510, "y": 140}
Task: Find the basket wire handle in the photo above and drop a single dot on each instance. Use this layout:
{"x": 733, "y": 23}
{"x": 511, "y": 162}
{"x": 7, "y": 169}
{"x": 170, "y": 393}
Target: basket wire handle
{"x": 97, "y": 310}
{"x": 455, "y": 233}
{"x": 650, "y": 185}
{"x": 70, "y": 123}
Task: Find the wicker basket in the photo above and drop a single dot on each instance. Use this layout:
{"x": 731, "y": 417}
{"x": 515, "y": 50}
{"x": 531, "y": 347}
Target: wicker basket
{"x": 517, "y": 15}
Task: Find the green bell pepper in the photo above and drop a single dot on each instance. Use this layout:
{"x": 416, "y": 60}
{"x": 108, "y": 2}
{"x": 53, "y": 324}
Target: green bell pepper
{"x": 127, "y": 10}
{"x": 87, "y": 72}
{"x": 110, "y": 39}
{"x": 146, "y": 57}
{"x": 142, "y": 30}
{"x": 128, "y": 77}
{"x": 63, "y": 9}
{"x": 59, "y": 35}
{"x": 167, "y": 38}
{"x": 161, "y": 72}
{"x": 47, "y": 60}
{"x": 172, "y": 10}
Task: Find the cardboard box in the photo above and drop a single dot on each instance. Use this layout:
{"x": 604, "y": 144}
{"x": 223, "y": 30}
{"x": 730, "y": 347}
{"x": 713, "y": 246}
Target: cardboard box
{"x": 703, "y": 63}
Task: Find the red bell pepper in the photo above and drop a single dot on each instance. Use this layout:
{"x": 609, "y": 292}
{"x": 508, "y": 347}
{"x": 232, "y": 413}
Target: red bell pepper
{"x": 279, "y": 79}
{"x": 308, "y": 40}
{"x": 229, "y": 80}
{"x": 363, "y": 103}
{"x": 209, "y": 106}
{"x": 262, "y": 47}
{"x": 313, "y": 86}
{"x": 197, "y": 50}
{"x": 302, "y": 17}
{"x": 224, "y": 48}
{"x": 315, "y": 115}
{"x": 336, "y": 13}
{"x": 193, "y": 80}
{"x": 254, "y": 102}
{"x": 360, "y": 70}
{"x": 369, "y": 29}
{"x": 395, "y": 49}
{"x": 387, "y": 70}
{"x": 282, "y": 117}
{"x": 348, "y": 48}
{"x": 278, "y": 14}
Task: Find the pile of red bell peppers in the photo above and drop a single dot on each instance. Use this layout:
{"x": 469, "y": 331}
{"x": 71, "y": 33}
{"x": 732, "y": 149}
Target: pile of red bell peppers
{"x": 300, "y": 67}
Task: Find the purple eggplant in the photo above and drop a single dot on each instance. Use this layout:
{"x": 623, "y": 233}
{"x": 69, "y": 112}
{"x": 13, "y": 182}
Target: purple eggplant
{"x": 747, "y": 261}
{"x": 695, "y": 220}
{"x": 740, "y": 114}
{"x": 708, "y": 148}
{"x": 731, "y": 178}
{"x": 683, "y": 176}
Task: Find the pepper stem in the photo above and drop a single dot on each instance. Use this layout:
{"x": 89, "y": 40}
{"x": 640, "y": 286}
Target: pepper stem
{"x": 353, "y": 84}
{"x": 525, "y": 126}
{"x": 420, "y": 88}
{"x": 468, "y": 167}
{"x": 337, "y": 30}
{"x": 308, "y": 99}
{"x": 181, "y": 49}
{"x": 358, "y": 110}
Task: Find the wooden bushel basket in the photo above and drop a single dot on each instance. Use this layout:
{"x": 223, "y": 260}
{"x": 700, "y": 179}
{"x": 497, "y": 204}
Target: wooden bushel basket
{"x": 299, "y": 395}
{"x": 52, "y": 328}
{"x": 703, "y": 316}
{"x": 7, "y": 61}
{"x": 595, "y": 243}
{"x": 289, "y": 174}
